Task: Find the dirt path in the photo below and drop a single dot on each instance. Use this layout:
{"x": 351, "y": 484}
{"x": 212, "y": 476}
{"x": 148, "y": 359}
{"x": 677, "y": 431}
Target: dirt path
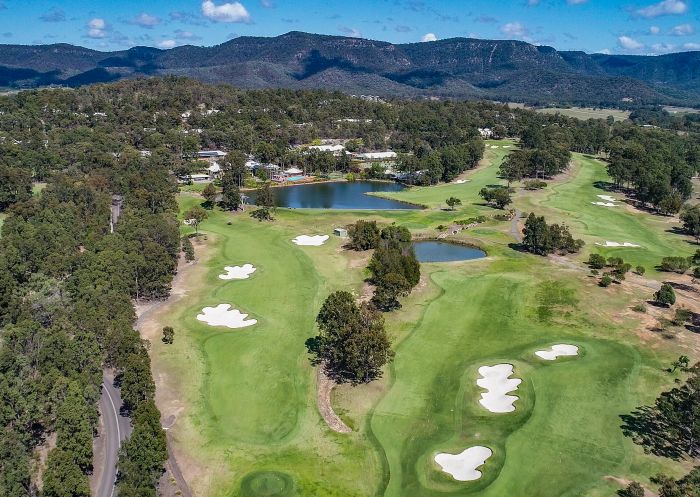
{"x": 324, "y": 389}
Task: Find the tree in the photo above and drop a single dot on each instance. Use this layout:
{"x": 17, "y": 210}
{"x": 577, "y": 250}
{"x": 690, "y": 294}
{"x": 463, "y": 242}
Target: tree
{"x": 168, "y": 335}
{"x": 196, "y": 215}
{"x": 500, "y": 196}
{"x": 364, "y": 235}
{"x": 230, "y": 191}
{"x": 187, "y": 248}
{"x": 596, "y": 261}
{"x": 389, "y": 289}
{"x": 265, "y": 201}
{"x": 606, "y": 281}
{"x": 690, "y": 218}
{"x": 541, "y": 239}
{"x": 352, "y": 345}
{"x": 452, "y": 202}
{"x": 666, "y": 295}
{"x": 688, "y": 486}
{"x": 74, "y": 432}
{"x": 634, "y": 489}
{"x": 675, "y": 264}
{"x": 15, "y": 186}
{"x": 640, "y": 270}
{"x": 681, "y": 363}
{"x": 63, "y": 477}
{"x": 209, "y": 194}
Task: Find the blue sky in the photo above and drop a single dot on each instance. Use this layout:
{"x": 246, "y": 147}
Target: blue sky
{"x": 635, "y": 26}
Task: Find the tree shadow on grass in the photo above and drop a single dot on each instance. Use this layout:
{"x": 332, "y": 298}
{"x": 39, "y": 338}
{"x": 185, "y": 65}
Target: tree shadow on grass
{"x": 646, "y": 427}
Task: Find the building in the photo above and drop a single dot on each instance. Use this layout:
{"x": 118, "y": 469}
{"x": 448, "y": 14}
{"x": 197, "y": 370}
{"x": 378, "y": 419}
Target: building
{"x": 486, "y": 132}
{"x": 211, "y": 154}
{"x": 214, "y": 170}
{"x": 377, "y": 156}
{"x": 334, "y": 149}
{"x": 342, "y": 232}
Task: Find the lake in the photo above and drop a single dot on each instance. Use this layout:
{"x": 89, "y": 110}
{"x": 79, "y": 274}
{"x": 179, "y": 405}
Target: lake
{"x": 434, "y": 251}
{"x": 338, "y": 195}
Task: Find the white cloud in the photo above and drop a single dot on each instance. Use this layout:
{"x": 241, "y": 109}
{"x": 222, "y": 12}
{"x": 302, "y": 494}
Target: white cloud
{"x": 429, "y": 37}
{"x": 226, "y": 12}
{"x": 691, "y": 46}
{"x": 683, "y": 30}
{"x": 654, "y": 30}
{"x": 605, "y": 51}
{"x": 167, "y": 44}
{"x": 664, "y": 8}
{"x": 515, "y": 29}
{"x": 97, "y": 28}
{"x": 351, "y": 32}
{"x": 146, "y": 20}
{"x": 629, "y": 43}
{"x": 659, "y": 48}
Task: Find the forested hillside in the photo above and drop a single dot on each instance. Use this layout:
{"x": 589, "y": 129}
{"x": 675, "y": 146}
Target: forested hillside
{"x": 504, "y": 70}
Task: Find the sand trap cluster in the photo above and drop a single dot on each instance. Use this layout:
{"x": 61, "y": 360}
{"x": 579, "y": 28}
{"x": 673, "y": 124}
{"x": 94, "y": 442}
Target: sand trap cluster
{"x": 237, "y": 272}
{"x": 462, "y": 466}
{"x": 617, "y": 244}
{"x": 497, "y": 384}
{"x": 460, "y": 181}
{"x": 222, "y": 315}
{"x": 314, "y": 240}
{"x": 560, "y": 349}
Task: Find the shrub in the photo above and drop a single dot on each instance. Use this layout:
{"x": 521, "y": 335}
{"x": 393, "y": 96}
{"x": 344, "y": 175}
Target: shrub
{"x": 640, "y": 270}
{"x": 639, "y": 308}
{"x": 675, "y": 264}
{"x": 441, "y": 227}
{"x": 168, "y": 335}
{"x": 666, "y": 295}
{"x": 187, "y": 248}
{"x": 606, "y": 281}
{"x": 534, "y": 184}
{"x": 696, "y": 272}
{"x": 596, "y": 261}
{"x": 682, "y": 315}
{"x": 364, "y": 235}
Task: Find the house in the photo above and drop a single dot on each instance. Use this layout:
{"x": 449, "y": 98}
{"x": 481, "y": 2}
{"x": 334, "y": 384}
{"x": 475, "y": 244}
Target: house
{"x": 486, "y": 132}
{"x": 342, "y": 232}
{"x": 292, "y": 171}
{"x": 211, "y": 154}
{"x": 377, "y": 156}
{"x": 334, "y": 149}
{"x": 199, "y": 177}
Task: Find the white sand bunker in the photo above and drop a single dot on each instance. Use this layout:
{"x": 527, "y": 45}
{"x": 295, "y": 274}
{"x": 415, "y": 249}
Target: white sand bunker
{"x": 605, "y": 204}
{"x": 560, "y": 349}
{"x": 497, "y": 384}
{"x": 237, "y": 272}
{"x": 608, "y": 201}
{"x": 222, "y": 316}
{"x": 460, "y": 181}
{"x": 617, "y": 244}
{"x": 607, "y": 198}
{"x": 314, "y": 240}
{"x": 462, "y": 466}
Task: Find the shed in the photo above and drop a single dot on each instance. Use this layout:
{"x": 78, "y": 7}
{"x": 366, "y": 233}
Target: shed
{"x": 342, "y": 232}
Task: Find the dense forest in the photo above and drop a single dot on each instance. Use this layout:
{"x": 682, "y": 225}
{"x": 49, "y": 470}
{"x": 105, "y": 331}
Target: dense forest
{"x": 67, "y": 281}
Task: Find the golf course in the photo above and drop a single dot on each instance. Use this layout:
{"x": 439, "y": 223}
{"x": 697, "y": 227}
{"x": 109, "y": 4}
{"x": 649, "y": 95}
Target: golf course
{"x": 242, "y": 397}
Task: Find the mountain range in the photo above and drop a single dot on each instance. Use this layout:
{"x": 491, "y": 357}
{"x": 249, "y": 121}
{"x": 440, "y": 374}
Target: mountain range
{"x": 505, "y": 70}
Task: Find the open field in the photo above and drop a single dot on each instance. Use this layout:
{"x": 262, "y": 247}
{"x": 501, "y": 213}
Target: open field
{"x": 584, "y": 113}
{"x": 247, "y": 423}
{"x": 680, "y": 110}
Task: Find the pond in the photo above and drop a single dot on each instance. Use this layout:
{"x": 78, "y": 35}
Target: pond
{"x": 338, "y": 195}
{"x": 434, "y": 251}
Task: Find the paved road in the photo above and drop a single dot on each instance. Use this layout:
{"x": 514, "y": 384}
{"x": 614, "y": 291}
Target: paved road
{"x": 115, "y": 429}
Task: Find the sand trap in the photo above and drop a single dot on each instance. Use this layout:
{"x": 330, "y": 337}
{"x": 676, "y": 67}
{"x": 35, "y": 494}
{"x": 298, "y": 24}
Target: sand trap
{"x": 462, "y": 466}
{"x": 497, "y": 384}
{"x": 605, "y": 204}
{"x": 617, "y": 244}
{"x": 560, "y": 349}
{"x": 607, "y": 198}
{"x": 222, "y": 316}
{"x": 460, "y": 181}
{"x": 237, "y": 272}
{"x": 314, "y": 240}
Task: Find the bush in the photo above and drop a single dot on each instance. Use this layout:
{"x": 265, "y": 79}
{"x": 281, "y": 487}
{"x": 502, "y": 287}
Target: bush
{"x": 472, "y": 220}
{"x": 535, "y": 184}
{"x": 187, "y": 248}
{"x": 666, "y": 295}
{"x": 634, "y": 489}
{"x": 640, "y": 270}
{"x": 675, "y": 264}
{"x": 681, "y": 316}
{"x": 606, "y": 281}
{"x": 441, "y": 227}
{"x": 696, "y": 272}
{"x": 596, "y": 261}
{"x": 639, "y": 308}
{"x": 261, "y": 214}
{"x": 168, "y": 335}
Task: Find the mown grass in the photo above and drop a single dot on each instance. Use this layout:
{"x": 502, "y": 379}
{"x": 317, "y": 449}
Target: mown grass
{"x": 250, "y": 393}
{"x": 585, "y": 113}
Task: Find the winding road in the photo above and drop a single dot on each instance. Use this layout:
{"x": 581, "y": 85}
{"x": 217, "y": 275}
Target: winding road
{"x": 115, "y": 428}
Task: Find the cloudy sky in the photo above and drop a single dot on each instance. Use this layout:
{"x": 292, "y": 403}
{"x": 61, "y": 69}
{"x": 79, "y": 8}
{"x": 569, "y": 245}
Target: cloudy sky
{"x": 635, "y": 26}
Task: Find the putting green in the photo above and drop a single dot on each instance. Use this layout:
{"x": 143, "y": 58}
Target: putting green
{"x": 249, "y": 423}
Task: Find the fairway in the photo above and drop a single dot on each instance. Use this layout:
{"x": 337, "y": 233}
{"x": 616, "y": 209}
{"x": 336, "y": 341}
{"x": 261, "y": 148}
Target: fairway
{"x": 585, "y": 113}
{"x": 247, "y": 419}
